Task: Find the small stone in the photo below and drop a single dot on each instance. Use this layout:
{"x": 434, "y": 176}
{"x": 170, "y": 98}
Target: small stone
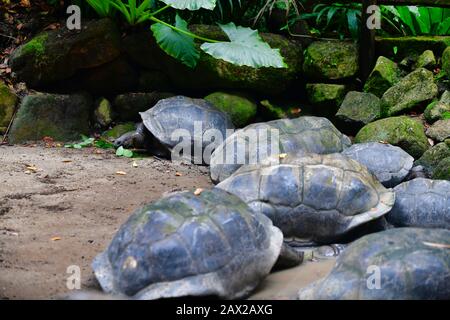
{"x": 384, "y": 75}
{"x": 103, "y": 112}
{"x": 325, "y": 94}
{"x": 416, "y": 88}
{"x": 426, "y": 60}
{"x": 403, "y": 131}
{"x": 440, "y": 130}
{"x": 64, "y": 117}
{"x": 8, "y": 101}
{"x": 446, "y": 61}
{"x": 360, "y": 108}
{"x": 442, "y": 170}
{"x": 240, "y": 108}
{"x": 331, "y": 60}
{"x": 431, "y": 158}
{"x": 438, "y": 110}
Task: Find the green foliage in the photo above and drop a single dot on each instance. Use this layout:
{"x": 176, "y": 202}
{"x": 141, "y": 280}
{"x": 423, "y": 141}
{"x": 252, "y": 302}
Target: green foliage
{"x": 191, "y": 4}
{"x": 176, "y": 44}
{"x": 417, "y": 20}
{"x": 446, "y": 115}
{"x": 341, "y": 18}
{"x": 102, "y": 7}
{"x": 122, "y": 152}
{"x": 85, "y": 142}
{"x": 244, "y": 48}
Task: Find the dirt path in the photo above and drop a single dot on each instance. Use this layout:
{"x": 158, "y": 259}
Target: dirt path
{"x": 66, "y": 209}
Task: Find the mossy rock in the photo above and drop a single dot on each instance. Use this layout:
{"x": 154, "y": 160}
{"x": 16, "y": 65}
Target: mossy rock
{"x": 359, "y": 108}
{"x": 8, "y": 101}
{"x": 384, "y": 75}
{"x": 331, "y": 60}
{"x": 431, "y": 158}
{"x": 58, "y": 54}
{"x": 111, "y": 78}
{"x": 118, "y": 130}
{"x": 403, "y": 131}
{"x": 240, "y": 108}
{"x": 442, "y": 171}
{"x": 216, "y": 74}
{"x": 103, "y": 112}
{"x": 446, "y": 61}
{"x": 440, "y": 130}
{"x": 426, "y": 60}
{"x": 62, "y": 117}
{"x": 410, "y": 46}
{"x": 438, "y": 110}
{"x": 412, "y": 91}
{"x": 326, "y": 94}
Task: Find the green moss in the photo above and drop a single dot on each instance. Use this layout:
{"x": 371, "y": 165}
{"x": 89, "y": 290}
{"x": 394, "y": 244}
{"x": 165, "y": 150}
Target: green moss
{"x": 331, "y": 60}
{"x": 402, "y": 131}
{"x": 383, "y": 76}
{"x": 240, "y": 108}
{"x": 8, "y": 102}
{"x": 325, "y": 94}
{"x": 36, "y": 46}
{"x": 442, "y": 170}
{"x": 360, "y": 108}
{"x": 431, "y": 158}
{"x": 446, "y": 61}
{"x": 412, "y": 91}
{"x": 410, "y": 46}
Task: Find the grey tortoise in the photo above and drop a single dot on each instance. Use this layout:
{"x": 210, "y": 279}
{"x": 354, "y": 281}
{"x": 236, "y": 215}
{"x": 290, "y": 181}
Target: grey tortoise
{"x": 313, "y": 198}
{"x": 400, "y": 263}
{"x": 390, "y": 164}
{"x": 308, "y": 134}
{"x": 422, "y": 203}
{"x": 190, "y": 244}
{"x": 161, "y": 122}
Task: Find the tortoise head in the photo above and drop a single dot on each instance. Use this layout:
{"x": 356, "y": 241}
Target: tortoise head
{"x": 130, "y": 139}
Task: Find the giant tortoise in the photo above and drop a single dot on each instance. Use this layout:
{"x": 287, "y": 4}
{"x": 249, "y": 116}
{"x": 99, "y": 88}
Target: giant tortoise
{"x": 390, "y": 164}
{"x": 400, "y": 263}
{"x": 190, "y": 244}
{"x": 257, "y": 141}
{"x": 315, "y": 198}
{"x": 422, "y": 203}
{"x": 174, "y": 120}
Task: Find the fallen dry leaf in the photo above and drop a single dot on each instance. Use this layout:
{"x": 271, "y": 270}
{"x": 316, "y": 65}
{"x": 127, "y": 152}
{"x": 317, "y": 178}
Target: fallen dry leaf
{"x": 67, "y": 161}
{"x": 135, "y": 165}
{"x": 121, "y": 173}
{"x": 178, "y": 174}
{"x": 55, "y": 238}
{"x": 282, "y": 155}
{"x": 32, "y": 168}
{"x": 198, "y": 191}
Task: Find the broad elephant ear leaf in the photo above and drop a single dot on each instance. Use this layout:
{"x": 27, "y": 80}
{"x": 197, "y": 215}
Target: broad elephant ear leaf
{"x": 191, "y": 4}
{"x": 246, "y": 48}
{"x": 176, "y": 44}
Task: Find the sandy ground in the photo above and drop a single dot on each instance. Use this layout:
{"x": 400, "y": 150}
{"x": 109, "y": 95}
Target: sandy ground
{"x": 67, "y": 208}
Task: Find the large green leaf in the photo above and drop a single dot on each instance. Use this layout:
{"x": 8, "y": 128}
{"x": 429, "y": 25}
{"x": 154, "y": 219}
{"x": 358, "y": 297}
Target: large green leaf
{"x": 191, "y": 4}
{"x": 246, "y": 48}
{"x": 176, "y": 44}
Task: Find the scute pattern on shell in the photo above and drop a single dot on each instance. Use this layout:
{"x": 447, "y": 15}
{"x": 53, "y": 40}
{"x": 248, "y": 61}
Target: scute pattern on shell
{"x": 304, "y": 134}
{"x": 186, "y": 244}
{"x": 181, "y": 112}
{"x": 413, "y": 264}
{"x": 422, "y": 203}
{"x": 312, "y": 197}
{"x": 390, "y": 164}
